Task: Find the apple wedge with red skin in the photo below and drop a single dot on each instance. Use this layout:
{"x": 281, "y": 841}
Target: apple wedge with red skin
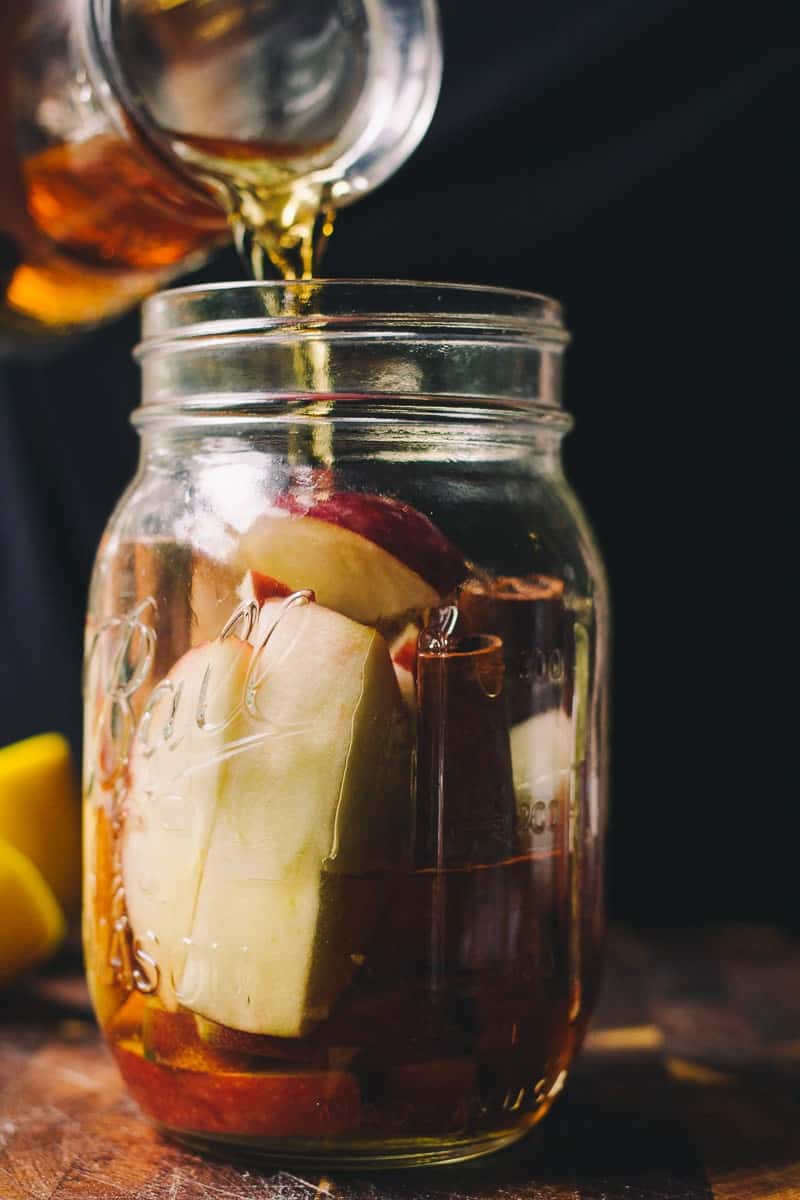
{"x": 398, "y": 528}
{"x": 240, "y": 1103}
{"x": 406, "y": 657}
{"x": 404, "y": 660}
{"x": 369, "y": 557}
{"x": 260, "y": 587}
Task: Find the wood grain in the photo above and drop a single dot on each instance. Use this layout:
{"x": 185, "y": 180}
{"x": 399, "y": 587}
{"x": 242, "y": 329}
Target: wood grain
{"x": 688, "y": 1089}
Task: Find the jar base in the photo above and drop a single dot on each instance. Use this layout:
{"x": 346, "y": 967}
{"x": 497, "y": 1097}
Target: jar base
{"x": 399, "y": 1154}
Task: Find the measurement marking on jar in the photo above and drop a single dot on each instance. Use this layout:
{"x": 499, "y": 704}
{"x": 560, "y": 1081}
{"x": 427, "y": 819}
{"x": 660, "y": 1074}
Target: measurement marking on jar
{"x": 543, "y": 666}
{"x": 539, "y": 816}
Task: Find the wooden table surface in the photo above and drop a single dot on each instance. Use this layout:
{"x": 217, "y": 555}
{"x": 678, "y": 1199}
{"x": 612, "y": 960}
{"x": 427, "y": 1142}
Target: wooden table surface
{"x": 688, "y": 1088}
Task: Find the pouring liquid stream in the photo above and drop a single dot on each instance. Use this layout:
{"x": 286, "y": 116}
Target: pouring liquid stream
{"x": 281, "y": 226}
{"x": 278, "y": 217}
{"x": 288, "y": 232}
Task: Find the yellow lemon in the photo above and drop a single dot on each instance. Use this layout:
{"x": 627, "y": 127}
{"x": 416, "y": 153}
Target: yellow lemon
{"x": 40, "y": 811}
{"x": 32, "y": 924}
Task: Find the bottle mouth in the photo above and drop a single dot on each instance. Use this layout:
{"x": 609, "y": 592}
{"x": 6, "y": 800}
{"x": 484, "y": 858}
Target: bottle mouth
{"x": 323, "y": 306}
{"x": 232, "y": 346}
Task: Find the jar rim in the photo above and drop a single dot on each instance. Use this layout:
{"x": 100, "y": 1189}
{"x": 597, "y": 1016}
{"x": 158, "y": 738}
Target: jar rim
{"x": 388, "y": 346}
{"x": 278, "y": 307}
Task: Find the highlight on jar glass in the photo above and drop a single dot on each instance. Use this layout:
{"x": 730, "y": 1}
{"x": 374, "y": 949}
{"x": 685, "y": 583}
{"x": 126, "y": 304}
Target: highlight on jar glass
{"x": 345, "y": 704}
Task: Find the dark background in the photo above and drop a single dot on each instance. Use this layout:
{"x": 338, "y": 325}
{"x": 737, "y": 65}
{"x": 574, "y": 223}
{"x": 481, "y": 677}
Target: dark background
{"x": 633, "y": 158}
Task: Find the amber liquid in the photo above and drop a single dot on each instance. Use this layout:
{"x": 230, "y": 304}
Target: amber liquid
{"x": 278, "y": 219}
{"x": 454, "y": 1029}
{"x": 87, "y": 230}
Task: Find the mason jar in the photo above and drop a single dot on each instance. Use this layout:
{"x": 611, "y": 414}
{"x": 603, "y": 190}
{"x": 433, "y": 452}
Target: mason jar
{"x": 345, "y": 705}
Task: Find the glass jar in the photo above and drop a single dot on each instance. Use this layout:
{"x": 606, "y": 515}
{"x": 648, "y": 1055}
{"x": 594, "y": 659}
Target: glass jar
{"x": 137, "y": 135}
{"x": 345, "y": 701}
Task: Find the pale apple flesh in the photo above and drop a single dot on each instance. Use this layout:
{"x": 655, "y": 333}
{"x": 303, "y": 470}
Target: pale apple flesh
{"x": 401, "y": 530}
{"x": 177, "y": 770}
{"x": 369, "y": 557}
{"x": 259, "y": 587}
{"x": 267, "y": 781}
{"x": 541, "y": 765}
{"x": 541, "y": 755}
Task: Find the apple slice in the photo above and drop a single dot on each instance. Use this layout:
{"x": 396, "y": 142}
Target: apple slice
{"x": 167, "y": 1036}
{"x": 322, "y": 805}
{"x": 245, "y": 1103}
{"x": 311, "y": 1051}
{"x": 372, "y": 558}
{"x": 127, "y": 1020}
{"x": 177, "y": 771}
{"x": 172, "y": 1038}
{"x": 404, "y": 648}
{"x": 404, "y": 659}
{"x": 541, "y": 762}
{"x": 541, "y": 756}
{"x": 256, "y": 836}
{"x": 259, "y": 587}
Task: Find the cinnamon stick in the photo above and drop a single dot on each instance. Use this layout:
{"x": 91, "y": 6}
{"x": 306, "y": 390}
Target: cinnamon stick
{"x": 528, "y": 614}
{"x": 465, "y": 795}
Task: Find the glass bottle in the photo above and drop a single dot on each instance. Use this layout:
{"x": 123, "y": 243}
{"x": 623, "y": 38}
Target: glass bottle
{"x": 137, "y": 135}
{"x": 345, "y": 701}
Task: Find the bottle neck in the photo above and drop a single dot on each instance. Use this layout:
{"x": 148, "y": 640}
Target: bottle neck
{"x": 382, "y": 351}
{"x": 258, "y": 96}
{"x": 273, "y": 385}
